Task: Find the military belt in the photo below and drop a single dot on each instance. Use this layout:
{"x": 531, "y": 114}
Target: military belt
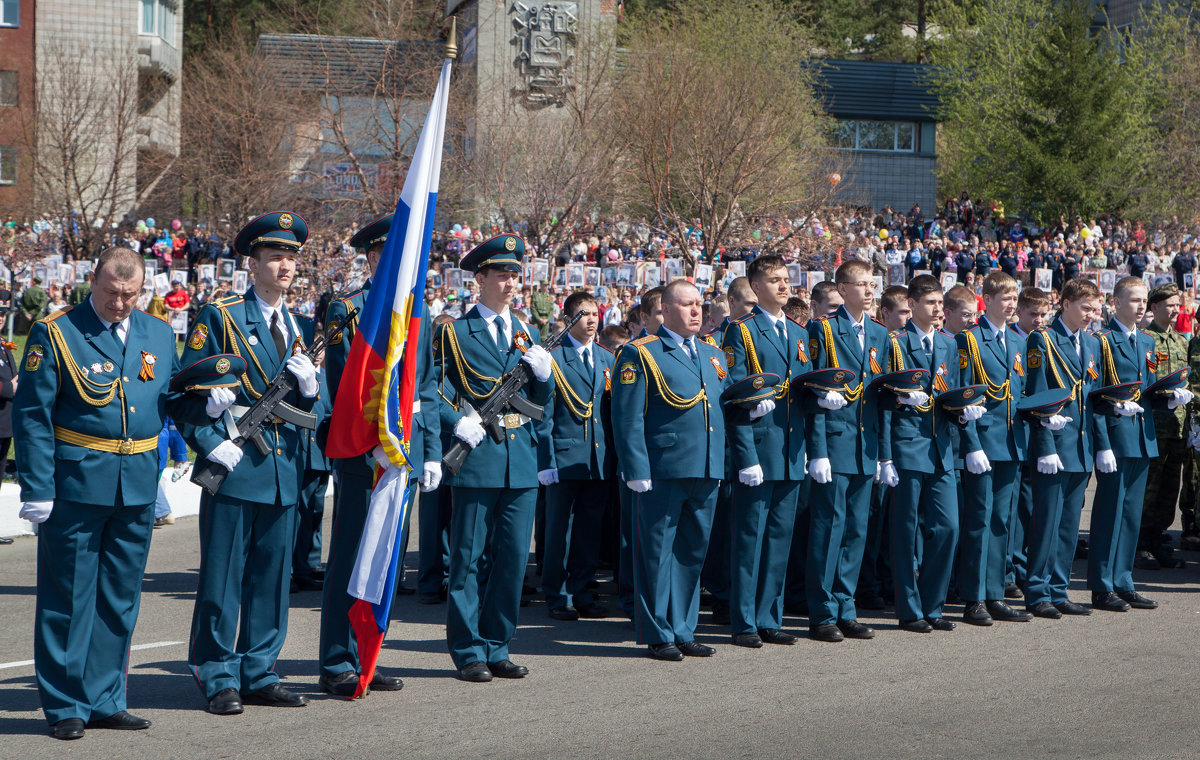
{"x": 121, "y": 446}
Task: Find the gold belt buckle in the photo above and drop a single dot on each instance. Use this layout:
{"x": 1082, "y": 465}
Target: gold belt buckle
{"x": 512, "y": 421}
{"x": 126, "y": 447}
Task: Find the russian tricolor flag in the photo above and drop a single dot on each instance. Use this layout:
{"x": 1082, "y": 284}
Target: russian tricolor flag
{"x": 374, "y": 402}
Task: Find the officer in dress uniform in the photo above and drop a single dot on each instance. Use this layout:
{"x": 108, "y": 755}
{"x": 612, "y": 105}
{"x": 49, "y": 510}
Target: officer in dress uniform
{"x": 990, "y": 354}
{"x": 574, "y": 445}
{"x": 87, "y": 414}
{"x": 338, "y": 650}
{"x": 1127, "y": 357}
{"x": 917, "y": 456}
{"x": 671, "y": 447}
{"x": 768, "y": 457}
{"x": 248, "y": 528}
{"x": 843, "y": 447}
{"x": 1063, "y": 356}
{"x": 495, "y": 492}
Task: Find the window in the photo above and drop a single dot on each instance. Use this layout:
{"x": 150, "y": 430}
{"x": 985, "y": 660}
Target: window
{"x": 10, "y": 93}
{"x": 10, "y": 12}
{"x": 157, "y": 19}
{"x": 8, "y": 165}
{"x": 864, "y": 134}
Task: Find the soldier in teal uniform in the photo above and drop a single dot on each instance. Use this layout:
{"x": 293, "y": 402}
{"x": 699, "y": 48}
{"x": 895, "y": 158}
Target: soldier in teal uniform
{"x": 671, "y": 446}
{"x": 1128, "y": 355}
{"x": 248, "y": 528}
{"x": 574, "y": 457}
{"x": 1063, "y": 356}
{"x": 990, "y": 354}
{"x": 338, "y": 651}
{"x": 843, "y": 449}
{"x": 86, "y": 419}
{"x": 768, "y": 457}
{"x": 495, "y": 491}
{"x": 916, "y": 451}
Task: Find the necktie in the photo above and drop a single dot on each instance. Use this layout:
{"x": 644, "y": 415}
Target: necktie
{"x": 1078, "y": 348}
{"x": 501, "y": 338}
{"x": 862, "y": 337}
{"x": 1000, "y": 337}
{"x": 781, "y": 331}
{"x": 691, "y": 344}
{"x": 277, "y": 334}
{"x": 928, "y": 346}
{"x": 587, "y": 360}
{"x": 116, "y": 335}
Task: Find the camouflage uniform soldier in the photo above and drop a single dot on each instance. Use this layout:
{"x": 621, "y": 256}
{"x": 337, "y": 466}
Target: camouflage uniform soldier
{"x": 1175, "y": 460}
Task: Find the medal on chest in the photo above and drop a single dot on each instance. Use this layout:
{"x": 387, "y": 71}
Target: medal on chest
{"x": 717, "y": 366}
{"x": 147, "y": 370}
{"x": 800, "y": 351}
{"x": 1017, "y": 366}
{"x": 875, "y": 368}
{"x": 939, "y": 380}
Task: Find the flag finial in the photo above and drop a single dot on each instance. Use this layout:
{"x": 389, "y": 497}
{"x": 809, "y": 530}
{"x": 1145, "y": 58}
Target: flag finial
{"x": 452, "y": 39}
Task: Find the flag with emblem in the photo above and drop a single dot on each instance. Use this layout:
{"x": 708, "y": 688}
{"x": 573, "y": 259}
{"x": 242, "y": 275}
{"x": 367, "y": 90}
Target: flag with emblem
{"x": 375, "y": 399}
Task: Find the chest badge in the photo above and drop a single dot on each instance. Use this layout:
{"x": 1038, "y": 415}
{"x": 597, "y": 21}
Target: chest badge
{"x": 199, "y": 335}
{"x": 252, "y": 340}
{"x": 96, "y": 368}
{"x": 1017, "y": 366}
{"x": 939, "y": 380}
{"x": 147, "y": 371}
{"x": 800, "y": 351}
{"x": 109, "y": 366}
{"x": 717, "y": 366}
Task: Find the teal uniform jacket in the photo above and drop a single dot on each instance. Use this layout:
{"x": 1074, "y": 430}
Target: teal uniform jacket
{"x": 848, "y": 437}
{"x": 580, "y": 449}
{"x": 70, "y": 350}
{"x": 914, "y": 439}
{"x": 1053, "y": 363}
{"x": 1130, "y": 437}
{"x": 511, "y": 463}
{"x": 657, "y": 438}
{"x": 777, "y": 443}
{"x": 236, "y": 325}
{"x": 982, "y": 360}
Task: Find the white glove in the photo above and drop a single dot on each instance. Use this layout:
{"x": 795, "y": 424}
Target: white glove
{"x": 469, "y": 431}
{"x": 885, "y": 473}
{"x": 819, "y": 469}
{"x": 548, "y": 477}
{"x": 1128, "y": 409}
{"x": 36, "y": 511}
{"x": 765, "y": 407}
{"x": 1105, "y": 461}
{"x": 1049, "y": 465}
{"x": 1182, "y": 396}
{"x": 916, "y": 398}
{"x": 431, "y": 476}
{"x": 977, "y": 463}
{"x": 219, "y": 399}
{"x": 381, "y": 457}
{"x": 1057, "y": 422}
{"x": 306, "y": 375}
{"x": 832, "y": 400}
{"x": 751, "y": 476}
{"x": 539, "y": 361}
{"x": 226, "y": 454}
{"x": 972, "y": 413}
{"x": 640, "y": 486}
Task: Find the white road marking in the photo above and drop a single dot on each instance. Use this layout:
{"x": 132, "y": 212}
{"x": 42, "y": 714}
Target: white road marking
{"x": 136, "y": 647}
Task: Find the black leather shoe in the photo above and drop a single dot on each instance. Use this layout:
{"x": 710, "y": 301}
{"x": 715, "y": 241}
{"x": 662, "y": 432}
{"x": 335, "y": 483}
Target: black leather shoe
{"x": 749, "y": 640}
{"x": 1144, "y": 560}
{"x": 308, "y": 583}
{"x": 1013, "y": 591}
{"x": 5, "y": 541}
{"x": 71, "y": 728}
{"x": 226, "y": 702}
{"x": 1137, "y": 601}
{"x": 1165, "y": 555}
{"x": 563, "y": 613}
{"x": 776, "y": 636}
{"x": 343, "y": 684}
{"x": 1109, "y": 602}
{"x": 1001, "y": 611}
{"x": 869, "y": 600}
{"x": 667, "y": 651}
{"x": 507, "y": 669}
{"x": 380, "y": 682}
{"x": 852, "y": 629}
{"x": 121, "y": 721}
{"x": 475, "y": 672}
{"x": 941, "y": 624}
{"x": 720, "y": 612}
{"x": 1045, "y": 610}
{"x": 825, "y": 632}
{"x": 275, "y": 696}
{"x": 1071, "y": 608}
{"x": 976, "y": 613}
{"x": 592, "y": 611}
{"x": 695, "y": 649}
{"x": 916, "y": 626}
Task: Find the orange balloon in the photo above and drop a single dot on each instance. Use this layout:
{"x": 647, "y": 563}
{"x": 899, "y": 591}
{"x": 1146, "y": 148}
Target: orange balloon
{"x": 835, "y": 178}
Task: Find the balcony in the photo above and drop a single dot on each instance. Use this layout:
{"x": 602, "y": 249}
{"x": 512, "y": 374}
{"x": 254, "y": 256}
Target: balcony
{"x": 157, "y": 58}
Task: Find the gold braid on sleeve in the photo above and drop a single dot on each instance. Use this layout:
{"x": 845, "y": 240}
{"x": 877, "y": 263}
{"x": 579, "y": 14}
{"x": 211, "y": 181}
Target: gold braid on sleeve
{"x": 851, "y": 394}
{"x": 90, "y": 392}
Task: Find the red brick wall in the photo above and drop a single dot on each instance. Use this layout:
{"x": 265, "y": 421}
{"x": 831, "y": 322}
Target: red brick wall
{"x": 16, "y": 54}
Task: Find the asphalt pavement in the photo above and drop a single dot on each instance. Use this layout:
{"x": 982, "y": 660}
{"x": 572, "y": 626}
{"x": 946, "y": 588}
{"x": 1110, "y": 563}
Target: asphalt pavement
{"x": 1117, "y": 685}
